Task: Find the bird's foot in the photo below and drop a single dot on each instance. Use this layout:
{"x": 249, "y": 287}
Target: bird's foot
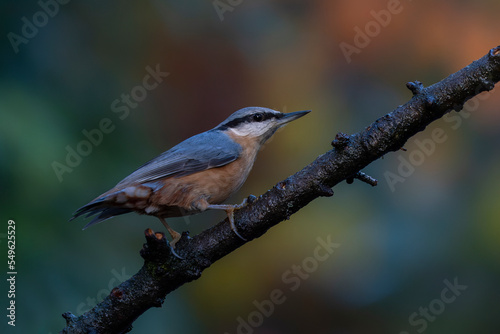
{"x": 230, "y": 214}
{"x": 248, "y": 200}
{"x": 176, "y": 236}
{"x": 172, "y": 249}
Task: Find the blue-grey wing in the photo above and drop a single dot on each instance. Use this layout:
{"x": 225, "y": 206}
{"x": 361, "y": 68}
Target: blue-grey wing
{"x": 204, "y": 151}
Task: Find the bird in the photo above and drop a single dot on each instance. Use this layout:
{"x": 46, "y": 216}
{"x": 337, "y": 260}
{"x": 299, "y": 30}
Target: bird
{"x": 198, "y": 174}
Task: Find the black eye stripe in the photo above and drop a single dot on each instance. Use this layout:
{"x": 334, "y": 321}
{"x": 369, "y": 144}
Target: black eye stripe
{"x": 249, "y": 119}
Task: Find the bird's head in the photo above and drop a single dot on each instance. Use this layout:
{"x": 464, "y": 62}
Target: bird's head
{"x": 258, "y": 122}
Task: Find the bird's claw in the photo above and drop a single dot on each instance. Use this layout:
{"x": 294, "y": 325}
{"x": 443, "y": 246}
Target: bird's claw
{"x": 172, "y": 250}
{"x": 248, "y": 200}
{"x": 230, "y": 215}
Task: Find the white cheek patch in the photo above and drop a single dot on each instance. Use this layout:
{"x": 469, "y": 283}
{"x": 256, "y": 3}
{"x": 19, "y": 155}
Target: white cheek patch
{"x": 250, "y": 130}
{"x": 238, "y": 133}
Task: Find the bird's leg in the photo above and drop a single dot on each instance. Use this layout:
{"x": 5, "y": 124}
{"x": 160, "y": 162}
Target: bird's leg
{"x": 230, "y": 214}
{"x": 176, "y": 236}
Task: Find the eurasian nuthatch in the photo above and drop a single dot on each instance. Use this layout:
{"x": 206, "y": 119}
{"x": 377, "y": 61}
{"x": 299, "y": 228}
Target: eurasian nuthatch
{"x": 198, "y": 174}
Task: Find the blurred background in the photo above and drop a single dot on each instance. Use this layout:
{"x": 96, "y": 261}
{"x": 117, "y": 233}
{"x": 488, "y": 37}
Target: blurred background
{"x": 418, "y": 253}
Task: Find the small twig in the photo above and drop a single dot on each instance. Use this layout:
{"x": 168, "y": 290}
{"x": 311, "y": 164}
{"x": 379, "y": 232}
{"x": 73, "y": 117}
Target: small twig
{"x": 366, "y": 178}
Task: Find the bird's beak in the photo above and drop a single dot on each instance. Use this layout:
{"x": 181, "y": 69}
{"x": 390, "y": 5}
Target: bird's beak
{"x": 292, "y": 116}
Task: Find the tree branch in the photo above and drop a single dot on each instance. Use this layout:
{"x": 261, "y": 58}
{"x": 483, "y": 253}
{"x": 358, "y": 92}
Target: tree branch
{"x": 162, "y": 272}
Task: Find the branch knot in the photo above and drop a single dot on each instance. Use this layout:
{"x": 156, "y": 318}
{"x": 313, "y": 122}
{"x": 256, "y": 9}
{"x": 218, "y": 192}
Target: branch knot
{"x": 494, "y": 52}
{"x": 156, "y": 248}
{"x": 416, "y": 87}
{"x": 341, "y": 140}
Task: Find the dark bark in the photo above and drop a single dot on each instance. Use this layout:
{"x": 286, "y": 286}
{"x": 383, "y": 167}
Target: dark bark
{"x": 163, "y": 272}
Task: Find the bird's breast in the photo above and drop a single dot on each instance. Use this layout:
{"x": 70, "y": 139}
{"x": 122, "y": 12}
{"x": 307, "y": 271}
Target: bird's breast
{"x": 192, "y": 193}
{"x": 217, "y": 184}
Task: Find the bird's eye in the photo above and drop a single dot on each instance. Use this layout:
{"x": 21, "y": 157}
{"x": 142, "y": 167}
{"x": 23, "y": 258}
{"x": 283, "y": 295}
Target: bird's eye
{"x": 258, "y": 117}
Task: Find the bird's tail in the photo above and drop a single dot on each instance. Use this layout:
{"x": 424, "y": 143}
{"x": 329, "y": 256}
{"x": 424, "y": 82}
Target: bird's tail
{"x": 100, "y": 207}
{"x": 112, "y": 203}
